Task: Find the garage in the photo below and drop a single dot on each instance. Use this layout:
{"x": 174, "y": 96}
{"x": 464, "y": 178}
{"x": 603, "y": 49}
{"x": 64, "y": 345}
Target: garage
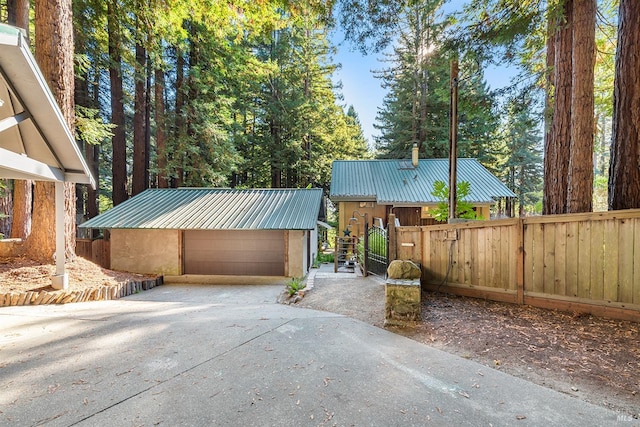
{"x": 226, "y": 252}
{"x": 213, "y": 231}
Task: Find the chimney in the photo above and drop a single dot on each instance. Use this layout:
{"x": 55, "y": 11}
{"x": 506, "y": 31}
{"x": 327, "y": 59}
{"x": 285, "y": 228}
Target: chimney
{"x": 414, "y": 155}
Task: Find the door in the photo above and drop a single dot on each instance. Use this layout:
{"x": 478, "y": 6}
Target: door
{"x": 234, "y": 252}
{"x": 408, "y": 216}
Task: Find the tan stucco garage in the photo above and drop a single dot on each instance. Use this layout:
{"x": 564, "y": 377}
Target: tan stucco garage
{"x": 204, "y": 231}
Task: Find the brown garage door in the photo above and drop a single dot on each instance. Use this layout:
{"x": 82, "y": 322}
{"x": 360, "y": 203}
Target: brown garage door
{"x": 232, "y": 252}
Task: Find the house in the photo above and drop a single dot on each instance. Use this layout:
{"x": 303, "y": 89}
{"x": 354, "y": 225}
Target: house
{"x": 403, "y": 187}
{"x": 35, "y": 142}
{"x": 214, "y": 231}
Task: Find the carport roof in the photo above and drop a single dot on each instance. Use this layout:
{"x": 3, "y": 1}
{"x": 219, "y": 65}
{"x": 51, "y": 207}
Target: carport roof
{"x": 35, "y": 142}
{"x": 215, "y": 209}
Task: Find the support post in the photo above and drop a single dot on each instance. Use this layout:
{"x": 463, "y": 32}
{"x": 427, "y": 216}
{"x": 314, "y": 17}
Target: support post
{"x": 60, "y": 280}
{"x": 453, "y": 142}
{"x": 391, "y": 229}
{"x": 365, "y": 263}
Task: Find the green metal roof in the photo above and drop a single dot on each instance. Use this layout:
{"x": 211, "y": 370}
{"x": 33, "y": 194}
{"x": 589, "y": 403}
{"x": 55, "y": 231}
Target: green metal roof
{"x": 398, "y": 182}
{"x": 215, "y": 209}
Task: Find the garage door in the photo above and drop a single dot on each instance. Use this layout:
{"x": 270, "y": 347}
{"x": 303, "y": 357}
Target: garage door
{"x": 245, "y": 253}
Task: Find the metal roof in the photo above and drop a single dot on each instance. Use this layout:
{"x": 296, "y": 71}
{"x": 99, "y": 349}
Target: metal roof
{"x": 392, "y": 182}
{"x": 215, "y": 209}
{"x": 35, "y": 142}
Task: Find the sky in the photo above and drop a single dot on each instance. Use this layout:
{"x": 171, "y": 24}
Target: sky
{"x": 362, "y": 90}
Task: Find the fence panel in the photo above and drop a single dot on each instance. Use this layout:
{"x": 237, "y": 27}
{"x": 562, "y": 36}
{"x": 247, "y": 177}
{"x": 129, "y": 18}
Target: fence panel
{"x": 101, "y": 252}
{"x": 474, "y": 258}
{"x": 97, "y": 251}
{"x": 83, "y": 248}
{"x": 582, "y": 260}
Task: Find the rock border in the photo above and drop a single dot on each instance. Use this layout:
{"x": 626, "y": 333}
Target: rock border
{"x": 102, "y": 293}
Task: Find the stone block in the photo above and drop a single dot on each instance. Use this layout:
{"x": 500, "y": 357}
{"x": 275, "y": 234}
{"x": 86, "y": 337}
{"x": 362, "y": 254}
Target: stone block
{"x": 403, "y": 269}
{"x": 402, "y": 302}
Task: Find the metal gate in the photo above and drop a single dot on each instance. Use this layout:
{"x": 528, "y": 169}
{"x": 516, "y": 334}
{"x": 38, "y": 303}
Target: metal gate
{"x": 376, "y": 250}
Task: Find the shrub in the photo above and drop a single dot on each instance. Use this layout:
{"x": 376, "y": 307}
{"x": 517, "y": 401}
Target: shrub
{"x": 322, "y": 258}
{"x": 294, "y": 285}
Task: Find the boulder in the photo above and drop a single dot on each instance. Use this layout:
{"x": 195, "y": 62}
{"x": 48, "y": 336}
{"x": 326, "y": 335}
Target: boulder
{"x": 403, "y": 269}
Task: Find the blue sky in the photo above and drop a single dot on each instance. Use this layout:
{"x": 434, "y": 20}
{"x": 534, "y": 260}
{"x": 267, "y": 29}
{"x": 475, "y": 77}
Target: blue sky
{"x": 364, "y": 92}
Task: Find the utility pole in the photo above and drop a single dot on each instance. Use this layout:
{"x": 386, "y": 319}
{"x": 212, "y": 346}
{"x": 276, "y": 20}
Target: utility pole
{"x": 453, "y": 141}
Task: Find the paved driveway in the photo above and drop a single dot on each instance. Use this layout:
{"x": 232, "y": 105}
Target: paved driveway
{"x": 228, "y": 355}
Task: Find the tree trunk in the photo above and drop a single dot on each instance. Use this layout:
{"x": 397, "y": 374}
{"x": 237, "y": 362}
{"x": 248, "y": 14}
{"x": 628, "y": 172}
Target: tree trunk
{"x": 549, "y": 146}
{"x": 624, "y": 173}
{"x": 22, "y": 202}
{"x": 559, "y": 141}
{"x": 6, "y": 202}
{"x": 118, "y": 141}
{"x": 580, "y": 176}
{"x": 18, "y": 15}
{"x": 147, "y": 125}
{"x": 54, "y": 54}
{"x": 161, "y": 141}
{"x": 180, "y": 132}
{"x": 140, "y": 168}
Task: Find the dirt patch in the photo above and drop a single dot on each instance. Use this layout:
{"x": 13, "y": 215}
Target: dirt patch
{"x": 594, "y": 359}
{"x": 22, "y": 275}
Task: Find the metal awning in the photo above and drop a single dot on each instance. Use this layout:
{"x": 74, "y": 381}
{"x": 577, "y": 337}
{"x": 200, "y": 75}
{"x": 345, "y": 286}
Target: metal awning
{"x": 35, "y": 142}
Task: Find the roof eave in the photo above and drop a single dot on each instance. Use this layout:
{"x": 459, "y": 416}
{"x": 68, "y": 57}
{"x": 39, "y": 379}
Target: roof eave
{"x": 52, "y": 128}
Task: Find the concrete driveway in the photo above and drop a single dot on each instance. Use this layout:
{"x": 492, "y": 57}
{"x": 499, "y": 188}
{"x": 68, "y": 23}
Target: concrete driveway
{"x": 229, "y": 355}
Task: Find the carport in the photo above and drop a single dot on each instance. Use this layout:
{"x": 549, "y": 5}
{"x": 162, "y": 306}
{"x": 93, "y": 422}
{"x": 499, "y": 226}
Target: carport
{"x": 35, "y": 142}
{"x": 214, "y": 231}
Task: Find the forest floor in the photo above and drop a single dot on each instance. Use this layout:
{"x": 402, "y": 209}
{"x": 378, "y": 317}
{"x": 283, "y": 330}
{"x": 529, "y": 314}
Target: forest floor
{"x": 593, "y": 359}
{"x": 22, "y": 275}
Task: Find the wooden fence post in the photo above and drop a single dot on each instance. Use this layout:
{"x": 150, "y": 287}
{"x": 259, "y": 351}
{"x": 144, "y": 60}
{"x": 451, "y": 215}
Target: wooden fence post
{"x": 520, "y": 261}
{"x": 393, "y": 238}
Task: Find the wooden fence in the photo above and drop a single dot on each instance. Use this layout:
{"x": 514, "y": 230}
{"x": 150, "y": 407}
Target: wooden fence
{"x": 580, "y": 262}
{"x": 97, "y": 251}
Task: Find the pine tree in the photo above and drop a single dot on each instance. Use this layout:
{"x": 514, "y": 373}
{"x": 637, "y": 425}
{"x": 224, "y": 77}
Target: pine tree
{"x": 523, "y": 162}
{"x": 416, "y": 108}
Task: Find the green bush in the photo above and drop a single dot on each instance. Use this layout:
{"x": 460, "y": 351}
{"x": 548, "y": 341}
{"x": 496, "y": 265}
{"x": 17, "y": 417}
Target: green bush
{"x": 294, "y": 285}
{"x": 378, "y": 244}
{"x": 464, "y": 209}
{"x": 323, "y": 258}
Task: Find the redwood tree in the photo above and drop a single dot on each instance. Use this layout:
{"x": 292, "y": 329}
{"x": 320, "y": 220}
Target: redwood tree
{"x": 18, "y": 15}
{"x": 140, "y": 178}
{"x": 161, "y": 141}
{"x": 556, "y": 162}
{"x": 54, "y": 54}
{"x": 583, "y": 54}
{"x": 118, "y": 141}
{"x": 624, "y": 173}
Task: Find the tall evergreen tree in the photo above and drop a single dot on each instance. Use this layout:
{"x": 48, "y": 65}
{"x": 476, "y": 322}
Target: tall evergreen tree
{"x": 624, "y": 176}
{"x": 523, "y": 162}
{"x": 54, "y": 54}
{"x": 416, "y": 108}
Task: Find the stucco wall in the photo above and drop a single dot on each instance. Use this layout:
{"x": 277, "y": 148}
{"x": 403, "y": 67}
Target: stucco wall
{"x": 146, "y": 251}
{"x": 347, "y": 209}
{"x": 346, "y": 212}
{"x": 296, "y": 254}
